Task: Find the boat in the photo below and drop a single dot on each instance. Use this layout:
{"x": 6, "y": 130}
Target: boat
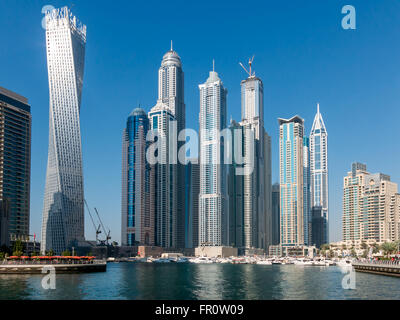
{"x": 264, "y": 262}
{"x": 162, "y": 260}
{"x": 201, "y": 260}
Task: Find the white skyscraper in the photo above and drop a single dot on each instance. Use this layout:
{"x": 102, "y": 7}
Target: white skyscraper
{"x": 63, "y": 212}
{"x": 213, "y": 222}
{"x": 257, "y": 194}
{"x": 171, "y": 94}
{"x": 165, "y": 186}
{"x": 319, "y": 170}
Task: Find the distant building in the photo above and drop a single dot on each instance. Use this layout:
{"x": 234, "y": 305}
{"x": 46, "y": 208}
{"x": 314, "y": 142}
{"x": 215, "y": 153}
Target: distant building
{"x": 291, "y": 164}
{"x": 275, "y": 214}
{"x": 213, "y": 202}
{"x": 63, "y": 209}
{"x": 137, "y": 207}
{"x": 192, "y": 203}
{"x": 319, "y": 170}
{"x": 15, "y": 165}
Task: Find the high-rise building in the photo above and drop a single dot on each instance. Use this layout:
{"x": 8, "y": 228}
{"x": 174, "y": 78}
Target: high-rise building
{"x": 63, "y": 212}
{"x": 371, "y": 206}
{"x": 171, "y": 94}
{"x": 137, "y": 208}
{"x": 291, "y": 133}
{"x": 192, "y": 177}
{"x": 319, "y": 170}
{"x": 15, "y": 165}
{"x": 275, "y": 214}
{"x": 164, "y": 183}
{"x": 257, "y": 206}
{"x": 213, "y": 213}
{"x": 376, "y": 221}
{"x": 394, "y": 218}
{"x": 306, "y": 191}
{"x": 4, "y": 223}
{"x": 353, "y": 191}
{"x": 235, "y": 188}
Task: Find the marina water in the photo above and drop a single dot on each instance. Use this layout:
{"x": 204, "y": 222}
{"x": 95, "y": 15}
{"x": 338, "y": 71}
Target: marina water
{"x": 202, "y": 281}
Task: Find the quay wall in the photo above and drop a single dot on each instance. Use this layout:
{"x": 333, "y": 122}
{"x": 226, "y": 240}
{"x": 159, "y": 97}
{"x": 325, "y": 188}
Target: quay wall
{"x": 388, "y": 269}
{"x": 59, "y": 268}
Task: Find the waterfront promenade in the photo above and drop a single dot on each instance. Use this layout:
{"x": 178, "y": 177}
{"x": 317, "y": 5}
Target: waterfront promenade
{"x": 35, "y": 265}
{"x": 388, "y": 268}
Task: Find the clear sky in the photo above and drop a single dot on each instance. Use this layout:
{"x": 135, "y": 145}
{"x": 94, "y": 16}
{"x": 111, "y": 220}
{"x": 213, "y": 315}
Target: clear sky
{"x": 301, "y": 53}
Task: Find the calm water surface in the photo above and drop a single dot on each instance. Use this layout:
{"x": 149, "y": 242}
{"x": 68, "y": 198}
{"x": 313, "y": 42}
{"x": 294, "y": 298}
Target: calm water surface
{"x": 202, "y": 281}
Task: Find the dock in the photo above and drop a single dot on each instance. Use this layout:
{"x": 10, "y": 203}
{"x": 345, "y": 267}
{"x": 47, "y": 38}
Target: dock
{"x": 26, "y": 265}
{"x": 387, "y": 268}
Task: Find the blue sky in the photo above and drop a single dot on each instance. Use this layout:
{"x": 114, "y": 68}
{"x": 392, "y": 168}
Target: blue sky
{"x": 301, "y": 53}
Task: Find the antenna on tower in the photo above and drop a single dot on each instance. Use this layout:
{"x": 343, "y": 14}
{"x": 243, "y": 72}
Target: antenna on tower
{"x": 172, "y": 46}
{"x": 249, "y": 72}
{"x": 213, "y": 65}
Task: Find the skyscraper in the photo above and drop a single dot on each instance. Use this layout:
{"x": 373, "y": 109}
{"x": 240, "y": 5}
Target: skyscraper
{"x": 137, "y": 207}
{"x": 306, "y": 191}
{"x": 353, "y": 191}
{"x": 235, "y": 188}
{"x": 171, "y": 94}
{"x": 63, "y": 212}
{"x": 164, "y": 186}
{"x": 15, "y": 165}
{"x": 213, "y": 213}
{"x": 319, "y": 171}
{"x": 257, "y": 185}
{"x": 291, "y": 133}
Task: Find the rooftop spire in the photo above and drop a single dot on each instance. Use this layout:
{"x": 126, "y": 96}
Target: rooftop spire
{"x": 318, "y": 123}
{"x": 172, "y": 47}
{"x": 213, "y": 65}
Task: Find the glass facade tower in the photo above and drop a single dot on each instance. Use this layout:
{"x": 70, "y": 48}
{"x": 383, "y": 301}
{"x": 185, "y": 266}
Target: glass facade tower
{"x": 137, "y": 208}
{"x": 63, "y": 212}
{"x": 15, "y": 165}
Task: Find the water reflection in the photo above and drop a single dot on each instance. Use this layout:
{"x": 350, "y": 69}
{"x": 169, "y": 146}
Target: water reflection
{"x": 202, "y": 281}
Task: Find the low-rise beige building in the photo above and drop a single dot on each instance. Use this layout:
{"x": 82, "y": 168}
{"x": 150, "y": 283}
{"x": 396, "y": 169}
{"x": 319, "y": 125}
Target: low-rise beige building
{"x": 216, "y": 252}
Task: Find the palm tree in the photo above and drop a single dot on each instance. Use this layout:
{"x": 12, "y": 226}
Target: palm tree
{"x": 389, "y": 247}
{"x": 18, "y": 248}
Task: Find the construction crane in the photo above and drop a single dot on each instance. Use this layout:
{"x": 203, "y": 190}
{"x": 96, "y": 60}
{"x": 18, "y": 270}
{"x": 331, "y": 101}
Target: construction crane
{"x": 108, "y": 236}
{"x": 249, "y": 72}
{"x": 98, "y": 231}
